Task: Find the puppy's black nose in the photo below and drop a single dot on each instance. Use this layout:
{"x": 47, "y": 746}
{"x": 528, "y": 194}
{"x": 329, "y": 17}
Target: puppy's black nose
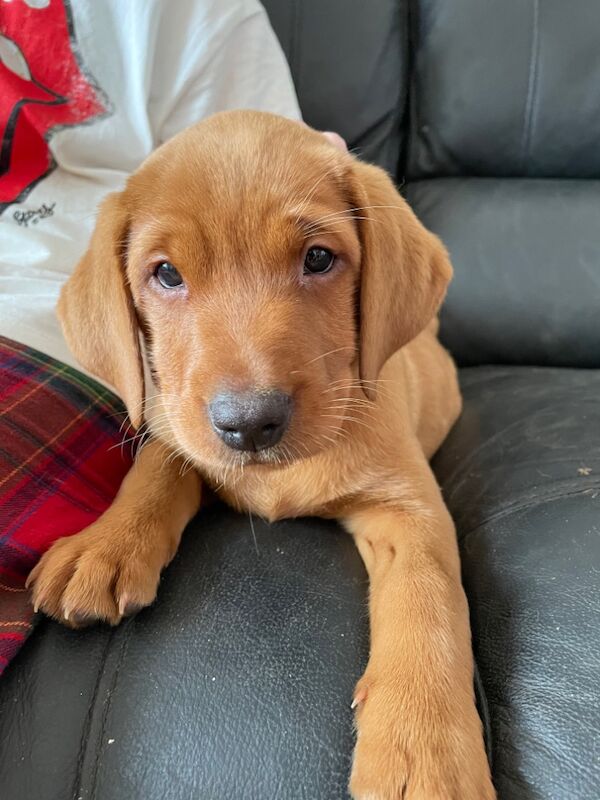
{"x": 251, "y": 420}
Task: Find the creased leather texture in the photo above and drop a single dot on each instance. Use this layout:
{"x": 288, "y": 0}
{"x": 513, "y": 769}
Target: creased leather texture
{"x": 521, "y": 475}
{"x": 526, "y": 257}
{"x": 247, "y": 696}
{"x": 505, "y": 87}
{"x": 349, "y": 59}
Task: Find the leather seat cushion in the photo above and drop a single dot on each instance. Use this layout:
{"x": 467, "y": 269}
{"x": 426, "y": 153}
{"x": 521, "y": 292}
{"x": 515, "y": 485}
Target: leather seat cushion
{"x": 521, "y": 475}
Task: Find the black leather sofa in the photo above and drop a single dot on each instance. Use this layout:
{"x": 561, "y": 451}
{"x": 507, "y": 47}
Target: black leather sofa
{"x": 236, "y": 684}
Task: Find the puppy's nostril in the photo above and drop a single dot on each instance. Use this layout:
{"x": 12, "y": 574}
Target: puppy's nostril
{"x": 251, "y": 420}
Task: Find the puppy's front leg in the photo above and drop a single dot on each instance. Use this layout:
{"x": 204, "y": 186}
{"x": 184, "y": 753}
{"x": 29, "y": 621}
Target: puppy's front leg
{"x": 419, "y": 736}
{"x": 112, "y": 568}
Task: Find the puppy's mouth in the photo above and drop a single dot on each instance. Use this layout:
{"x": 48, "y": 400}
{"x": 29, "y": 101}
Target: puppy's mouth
{"x": 274, "y": 457}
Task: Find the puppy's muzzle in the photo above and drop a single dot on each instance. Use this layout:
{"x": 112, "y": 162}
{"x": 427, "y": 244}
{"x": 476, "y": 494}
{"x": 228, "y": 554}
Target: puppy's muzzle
{"x": 250, "y": 420}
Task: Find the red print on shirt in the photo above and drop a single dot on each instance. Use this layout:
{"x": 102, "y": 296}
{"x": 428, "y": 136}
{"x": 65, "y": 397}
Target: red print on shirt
{"x": 42, "y": 87}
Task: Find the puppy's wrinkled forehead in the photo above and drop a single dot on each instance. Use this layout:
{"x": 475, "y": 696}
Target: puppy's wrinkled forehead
{"x": 239, "y": 171}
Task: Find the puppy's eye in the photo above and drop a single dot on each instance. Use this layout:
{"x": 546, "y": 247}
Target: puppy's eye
{"x": 318, "y": 260}
{"x": 167, "y": 275}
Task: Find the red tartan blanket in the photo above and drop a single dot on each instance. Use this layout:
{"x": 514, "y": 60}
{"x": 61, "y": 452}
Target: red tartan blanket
{"x": 61, "y": 465}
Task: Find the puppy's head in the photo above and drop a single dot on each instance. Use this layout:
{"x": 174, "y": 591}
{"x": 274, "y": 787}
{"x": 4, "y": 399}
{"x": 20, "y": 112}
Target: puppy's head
{"x": 268, "y": 272}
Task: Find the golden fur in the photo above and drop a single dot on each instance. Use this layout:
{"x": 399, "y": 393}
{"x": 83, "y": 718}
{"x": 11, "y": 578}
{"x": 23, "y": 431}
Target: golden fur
{"x": 233, "y": 203}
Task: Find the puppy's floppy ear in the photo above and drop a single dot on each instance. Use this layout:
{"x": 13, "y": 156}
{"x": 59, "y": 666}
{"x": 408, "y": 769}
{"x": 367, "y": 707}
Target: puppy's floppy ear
{"x": 405, "y": 270}
{"x": 97, "y": 313}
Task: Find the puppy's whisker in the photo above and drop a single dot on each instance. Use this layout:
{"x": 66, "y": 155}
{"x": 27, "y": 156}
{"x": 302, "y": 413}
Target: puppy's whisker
{"x": 345, "y": 418}
{"x": 359, "y": 386}
{"x": 330, "y": 426}
{"x": 350, "y": 211}
{"x": 329, "y": 353}
{"x": 364, "y": 419}
{"x": 328, "y": 438}
{"x": 310, "y": 194}
{"x": 312, "y": 437}
{"x": 168, "y": 453}
{"x": 253, "y": 532}
{"x": 118, "y": 414}
{"x": 123, "y": 442}
{"x": 381, "y": 380}
{"x": 164, "y": 424}
{"x": 365, "y": 413}
{"x": 159, "y": 395}
{"x": 317, "y": 228}
{"x": 287, "y": 455}
{"x": 151, "y": 398}
{"x": 335, "y": 385}
{"x": 353, "y": 401}
{"x": 318, "y": 231}
{"x": 341, "y": 380}
{"x": 340, "y": 433}
{"x": 304, "y": 452}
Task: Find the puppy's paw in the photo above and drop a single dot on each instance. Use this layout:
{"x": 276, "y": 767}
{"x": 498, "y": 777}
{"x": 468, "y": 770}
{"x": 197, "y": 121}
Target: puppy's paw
{"x": 409, "y": 750}
{"x": 95, "y": 575}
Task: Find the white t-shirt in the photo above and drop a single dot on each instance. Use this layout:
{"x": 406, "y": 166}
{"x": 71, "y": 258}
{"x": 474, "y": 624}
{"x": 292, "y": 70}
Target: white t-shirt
{"x": 96, "y": 85}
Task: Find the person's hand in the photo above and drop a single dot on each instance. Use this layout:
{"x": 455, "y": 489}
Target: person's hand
{"x": 333, "y": 138}
{"x": 336, "y": 140}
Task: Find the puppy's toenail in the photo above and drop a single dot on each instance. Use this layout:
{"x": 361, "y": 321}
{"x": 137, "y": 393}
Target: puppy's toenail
{"x": 76, "y": 620}
{"x": 359, "y": 698}
{"x": 127, "y": 607}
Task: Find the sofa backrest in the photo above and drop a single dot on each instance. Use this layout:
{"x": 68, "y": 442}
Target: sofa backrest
{"x": 348, "y": 60}
{"x": 488, "y": 114}
{"x": 505, "y": 88}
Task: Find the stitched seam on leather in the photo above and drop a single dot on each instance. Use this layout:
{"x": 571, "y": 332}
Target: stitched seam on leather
{"x": 402, "y": 111}
{"x": 126, "y": 636}
{"x": 484, "y": 713}
{"x": 534, "y": 501}
{"x": 413, "y": 106}
{"x": 531, "y": 88}
{"x": 296, "y": 40}
{"x": 88, "y": 721}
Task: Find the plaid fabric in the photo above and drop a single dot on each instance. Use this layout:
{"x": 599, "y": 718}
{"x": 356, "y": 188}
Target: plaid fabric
{"x": 60, "y": 468}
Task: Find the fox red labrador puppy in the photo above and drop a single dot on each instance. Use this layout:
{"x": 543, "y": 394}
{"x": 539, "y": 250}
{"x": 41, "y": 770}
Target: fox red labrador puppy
{"x": 265, "y": 304}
